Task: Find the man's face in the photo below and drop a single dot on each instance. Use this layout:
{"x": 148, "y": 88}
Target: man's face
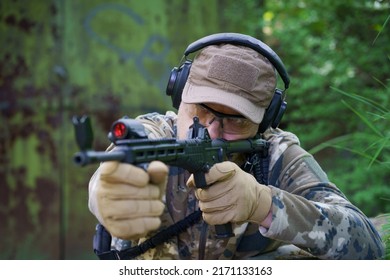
{"x": 220, "y": 121}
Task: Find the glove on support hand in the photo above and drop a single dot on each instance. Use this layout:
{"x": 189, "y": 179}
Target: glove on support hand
{"x": 127, "y": 200}
{"x": 232, "y": 196}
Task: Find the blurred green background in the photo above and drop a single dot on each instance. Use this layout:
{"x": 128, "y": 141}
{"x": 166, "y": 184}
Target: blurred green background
{"x": 60, "y": 58}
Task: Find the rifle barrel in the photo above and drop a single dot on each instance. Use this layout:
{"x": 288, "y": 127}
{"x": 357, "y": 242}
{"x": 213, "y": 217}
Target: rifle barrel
{"x": 88, "y": 157}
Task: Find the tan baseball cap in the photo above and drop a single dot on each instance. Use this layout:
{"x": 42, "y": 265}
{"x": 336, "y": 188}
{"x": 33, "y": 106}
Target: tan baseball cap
{"x": 234, "y": 76}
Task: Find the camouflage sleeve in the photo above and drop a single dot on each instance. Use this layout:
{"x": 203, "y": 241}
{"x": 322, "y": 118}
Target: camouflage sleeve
{"x": 158, "y": 125}
{"x": 313, "y": 214}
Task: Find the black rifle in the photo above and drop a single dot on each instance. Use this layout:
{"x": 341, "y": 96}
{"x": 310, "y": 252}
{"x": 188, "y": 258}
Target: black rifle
{"x": 197, "y": 154}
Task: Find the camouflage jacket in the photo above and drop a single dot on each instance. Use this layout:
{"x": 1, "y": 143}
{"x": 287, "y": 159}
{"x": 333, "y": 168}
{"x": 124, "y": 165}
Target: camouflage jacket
{"x": 308, "y": 210}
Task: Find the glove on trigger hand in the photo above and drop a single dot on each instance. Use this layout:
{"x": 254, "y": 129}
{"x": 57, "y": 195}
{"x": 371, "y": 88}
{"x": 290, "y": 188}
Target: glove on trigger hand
{"x": 233, "y": 196}
{"x": 126, "y": 199}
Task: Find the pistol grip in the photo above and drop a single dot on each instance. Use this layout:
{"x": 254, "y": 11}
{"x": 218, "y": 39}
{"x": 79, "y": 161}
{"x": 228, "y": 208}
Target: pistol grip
{"x": 200, "y": 180}
{"x": 221, "y": 231}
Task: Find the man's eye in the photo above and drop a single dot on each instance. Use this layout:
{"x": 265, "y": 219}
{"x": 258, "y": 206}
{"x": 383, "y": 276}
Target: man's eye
{"x": 235, "y": 121}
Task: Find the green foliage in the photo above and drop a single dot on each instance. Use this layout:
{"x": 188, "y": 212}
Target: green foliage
{"x": 327, "y": 44}
{"x": 368, "y": 186}
{"x": 368, "y": 154}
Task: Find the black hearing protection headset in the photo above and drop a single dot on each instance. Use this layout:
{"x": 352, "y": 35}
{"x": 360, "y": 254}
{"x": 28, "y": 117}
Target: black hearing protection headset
{"x": 179, "y": 75}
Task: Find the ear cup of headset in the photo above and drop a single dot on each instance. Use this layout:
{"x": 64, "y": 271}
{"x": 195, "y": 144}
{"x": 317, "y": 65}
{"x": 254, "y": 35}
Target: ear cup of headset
{"x": 280, "y": 114}
{"x": 177, "y": 81}
{"x": 272, "y": 111}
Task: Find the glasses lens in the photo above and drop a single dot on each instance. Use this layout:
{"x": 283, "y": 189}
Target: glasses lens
{"x": 237, "y": 126}
{"x": 229, "y": 123}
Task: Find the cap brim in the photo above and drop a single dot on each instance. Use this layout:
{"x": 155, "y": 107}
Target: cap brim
{"x": 201, "y": 94}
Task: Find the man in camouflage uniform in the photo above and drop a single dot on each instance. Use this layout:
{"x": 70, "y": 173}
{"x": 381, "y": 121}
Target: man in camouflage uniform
{"x": 229, "y": 88}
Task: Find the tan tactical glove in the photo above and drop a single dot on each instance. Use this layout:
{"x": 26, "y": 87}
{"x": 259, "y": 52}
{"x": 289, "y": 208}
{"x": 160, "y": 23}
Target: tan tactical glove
{"x": 126, "y": 199}
{"x": 232, "y": 196}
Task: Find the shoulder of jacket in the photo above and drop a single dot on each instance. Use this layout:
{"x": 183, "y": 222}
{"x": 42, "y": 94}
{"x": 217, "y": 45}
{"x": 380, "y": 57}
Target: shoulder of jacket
{"x": 159, "y": 125}
{"x": 280, "y": 141}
